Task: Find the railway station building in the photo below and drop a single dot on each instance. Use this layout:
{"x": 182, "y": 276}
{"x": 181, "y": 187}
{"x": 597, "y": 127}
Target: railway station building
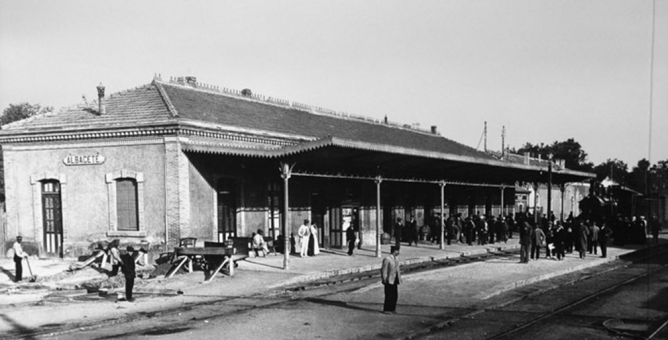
{"x": 177, "y": 158}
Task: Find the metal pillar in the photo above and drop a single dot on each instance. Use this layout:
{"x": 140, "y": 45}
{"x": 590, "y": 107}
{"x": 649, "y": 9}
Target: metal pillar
{"x": 442, "y": 184}
{"x": 535, "y": 203}
{"x": 286, "y": 171}
{"x": 562, "y": 188}
{"x": 549, "y": 188}
{"x": 503, "y": 207}
{"x": 378, "y": 231}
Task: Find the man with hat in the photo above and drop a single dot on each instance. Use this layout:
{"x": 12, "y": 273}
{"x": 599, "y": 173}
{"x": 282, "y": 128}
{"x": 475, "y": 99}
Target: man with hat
{"x": 19, "y": 254}
{"x": 390, "y": 275}
{"x": 129, "y": 272}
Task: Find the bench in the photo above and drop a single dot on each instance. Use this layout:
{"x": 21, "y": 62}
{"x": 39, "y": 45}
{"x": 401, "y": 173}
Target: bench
{"x": 244, "y": 245}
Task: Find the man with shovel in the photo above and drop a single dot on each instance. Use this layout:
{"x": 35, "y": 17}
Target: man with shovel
{"x": 19, "y": 254}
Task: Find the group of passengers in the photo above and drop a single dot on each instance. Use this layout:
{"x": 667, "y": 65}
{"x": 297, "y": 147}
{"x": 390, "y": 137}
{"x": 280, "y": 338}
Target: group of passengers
{"x": 581, "y": 235}
{"x": 457, "y": 230}
{"x": 556, "y": 237}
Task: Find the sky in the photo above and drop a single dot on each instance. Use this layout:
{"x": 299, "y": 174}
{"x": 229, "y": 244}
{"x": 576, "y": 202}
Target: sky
{"x": 546, "y": 70}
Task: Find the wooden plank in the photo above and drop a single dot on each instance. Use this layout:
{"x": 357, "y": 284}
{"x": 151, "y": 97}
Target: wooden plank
{"x": 174, "y": 270}
{"x": 204, "y": 251}
{"x": 222, "y": 264}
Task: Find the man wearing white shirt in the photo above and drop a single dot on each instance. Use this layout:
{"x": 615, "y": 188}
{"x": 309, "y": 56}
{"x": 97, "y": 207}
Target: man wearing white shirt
{"x": 304, "y": 234}
{"x": 19, "y": 254}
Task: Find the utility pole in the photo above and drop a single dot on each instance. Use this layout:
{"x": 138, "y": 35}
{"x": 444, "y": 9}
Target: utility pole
{"x": 485, "y": 134}
{"x": 503, "y": 141}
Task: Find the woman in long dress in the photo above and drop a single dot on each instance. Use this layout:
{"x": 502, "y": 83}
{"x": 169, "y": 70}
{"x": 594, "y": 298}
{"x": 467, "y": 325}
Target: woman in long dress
{"x": 313, "y": 247}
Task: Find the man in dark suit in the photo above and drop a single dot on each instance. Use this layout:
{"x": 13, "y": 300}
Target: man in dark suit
{"x": 129, "y": 272}
{"x": 351, "y": 238}
{"x": 390, "y": 275}
{"x": 525, "y": 241}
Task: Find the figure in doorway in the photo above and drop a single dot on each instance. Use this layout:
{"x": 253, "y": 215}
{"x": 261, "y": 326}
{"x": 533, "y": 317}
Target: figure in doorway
{"x": 412, "y": 231}
{"x": 398, "y": 229}
{"x": 351, "y": 238}
{"x": 313, "y": 246}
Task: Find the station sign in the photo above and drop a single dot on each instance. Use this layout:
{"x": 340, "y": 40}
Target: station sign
{"x": 84, "y": 159}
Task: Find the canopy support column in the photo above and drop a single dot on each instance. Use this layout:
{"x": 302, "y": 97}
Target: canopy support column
{"x": 378, "y": 180}
{"x": 503, "y": 207}
{"x": 549, "y": 188}
{"x": 442, "y": 236}
{"x": 535, "y": 203}
{"x": 286, "y": 173}
{"x": 562, "y": 188}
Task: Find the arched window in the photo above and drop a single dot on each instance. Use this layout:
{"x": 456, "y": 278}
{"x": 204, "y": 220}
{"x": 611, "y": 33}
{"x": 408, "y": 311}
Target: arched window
{"x": 126, "y": 204}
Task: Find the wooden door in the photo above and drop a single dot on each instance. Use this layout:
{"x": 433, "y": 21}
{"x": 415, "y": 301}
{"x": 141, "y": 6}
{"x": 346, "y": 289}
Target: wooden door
{"x": 52, "y": 217}
{"x": 227, "y": 209}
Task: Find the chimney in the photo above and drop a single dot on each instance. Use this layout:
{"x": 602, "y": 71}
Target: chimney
{"x": 433, "y": 130}
{"x": 526, "y": 157}
{"x": 100, "y": 99}
{"x": 192, "y": 81}
{"x": 385, "y": 120}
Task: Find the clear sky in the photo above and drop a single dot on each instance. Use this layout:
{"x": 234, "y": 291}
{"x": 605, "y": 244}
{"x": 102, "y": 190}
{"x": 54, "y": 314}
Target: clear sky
{"x": 547, "y": 70}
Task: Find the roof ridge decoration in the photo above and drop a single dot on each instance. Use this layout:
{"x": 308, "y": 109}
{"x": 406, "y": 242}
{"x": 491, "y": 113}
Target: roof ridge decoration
{"x": 191, "y": 83}
{"x": 165, "y": 98}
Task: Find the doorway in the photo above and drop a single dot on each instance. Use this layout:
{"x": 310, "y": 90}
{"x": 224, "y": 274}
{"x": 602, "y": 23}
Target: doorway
{"x": 227, "y": 209}
{"x": 52, "y": 217}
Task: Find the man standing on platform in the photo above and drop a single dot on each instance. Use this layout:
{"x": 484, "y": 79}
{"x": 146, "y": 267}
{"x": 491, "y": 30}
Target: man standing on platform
{"x": 603, "y": 237}
{"x": 304, "y": 232}
{"x": 537, "y": 240}
{"x": 19, "y": 254}
{"x": 129, "y": 270}
{"x": 351, "y": 238}
{"x": 398, "y": 229}
{"x": 525, "y": 241}
{"x": 390, "y": 275}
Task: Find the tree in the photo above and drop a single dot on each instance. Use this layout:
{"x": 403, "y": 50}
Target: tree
{"x": 639, "y": 175}
{"x": 11, "y": 114}
{"x": 659, "y": 178}
{"x": 616, "y": 169}
{"x": 20, "y": 111}
{"x": 569, "y": 150}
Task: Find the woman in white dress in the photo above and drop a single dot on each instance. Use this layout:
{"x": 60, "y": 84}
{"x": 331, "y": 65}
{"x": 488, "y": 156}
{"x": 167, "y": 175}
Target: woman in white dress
{"x": 313, "y": 247}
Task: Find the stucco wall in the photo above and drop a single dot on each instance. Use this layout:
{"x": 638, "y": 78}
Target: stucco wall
{"x": 202, "y": 207}
{"x": 85, "y": 191}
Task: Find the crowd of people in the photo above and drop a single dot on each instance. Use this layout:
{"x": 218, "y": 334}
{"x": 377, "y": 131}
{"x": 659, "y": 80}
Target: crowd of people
{"x": 551, "y": 237}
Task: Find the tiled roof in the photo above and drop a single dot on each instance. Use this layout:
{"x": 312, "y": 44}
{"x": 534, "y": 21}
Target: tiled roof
{"x": 198, "y": 105}
{"x": 139, "y": 106}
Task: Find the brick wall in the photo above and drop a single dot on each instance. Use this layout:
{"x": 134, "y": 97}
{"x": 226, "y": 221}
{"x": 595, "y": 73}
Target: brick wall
{"x": 177, "y": 192}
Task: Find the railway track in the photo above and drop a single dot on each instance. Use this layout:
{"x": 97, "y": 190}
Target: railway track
{"x": 623, "y": 329}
